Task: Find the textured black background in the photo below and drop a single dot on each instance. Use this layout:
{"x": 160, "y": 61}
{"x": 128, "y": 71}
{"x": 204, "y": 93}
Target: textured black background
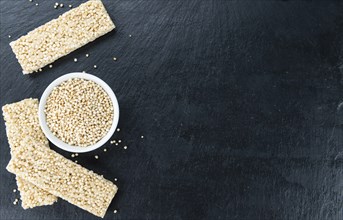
{"x": 238, "y": 102}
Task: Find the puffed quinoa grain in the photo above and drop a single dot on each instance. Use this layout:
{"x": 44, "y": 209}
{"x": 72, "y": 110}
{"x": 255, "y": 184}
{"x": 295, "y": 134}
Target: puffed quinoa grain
{"x": 21, "y": 120}
{"x": 59, "y": 37}
{"x": 62, "y": 177}
{"x": 79, "y": 112}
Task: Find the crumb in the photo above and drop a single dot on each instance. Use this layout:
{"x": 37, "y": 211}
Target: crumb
{"x": 142, "y": 136}
{"x": 118, "y": 129}
{"x": 105, "y": 150}
{"x": 50, "y": 66}
{"x": 114, "y": 58}
{"x": 75, "y": 60}
{"x": 87, "y": 55}
{"x": 96, "y": 157}
{"x": 115, "y": 179}
{"x": 115, "y": 211}
{"x": 125, "y": 147}
{"x": 95, "y": 66}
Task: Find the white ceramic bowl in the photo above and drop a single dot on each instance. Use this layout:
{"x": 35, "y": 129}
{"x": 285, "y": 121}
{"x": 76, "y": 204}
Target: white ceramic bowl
{"x": 59, "y": 143}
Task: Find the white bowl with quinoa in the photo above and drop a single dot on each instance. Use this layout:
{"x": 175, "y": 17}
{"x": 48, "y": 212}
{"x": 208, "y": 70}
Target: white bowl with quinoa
{"x": 78, "y": 112}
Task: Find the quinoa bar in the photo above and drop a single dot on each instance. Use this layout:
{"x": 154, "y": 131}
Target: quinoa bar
{"x": 61, "y": 36}
{"x": 21, "y": 119}
{"x": 54, "y": 173}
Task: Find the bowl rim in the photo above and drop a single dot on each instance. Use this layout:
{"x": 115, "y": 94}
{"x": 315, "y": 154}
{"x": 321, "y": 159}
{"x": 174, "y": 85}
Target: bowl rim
{"x": 42, "y": 117}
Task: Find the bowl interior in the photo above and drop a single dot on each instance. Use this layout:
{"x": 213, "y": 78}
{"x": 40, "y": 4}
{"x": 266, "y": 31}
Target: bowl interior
{"x": 56, "y": 141}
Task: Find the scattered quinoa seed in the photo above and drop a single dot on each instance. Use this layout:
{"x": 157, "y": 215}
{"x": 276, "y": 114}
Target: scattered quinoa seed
{"x": 114, "y": 58}
{"x": 75, "y": 161}
{"x": 40, "y": 70}
{"x": 115, "y": 179}
{"x": 142, "y": 136}
{"x": 115, "y": 211}
{"x": 61, "y": 5}
{"x": 96, "y": 157}
{"x": 119, "y": 141}
{"x": 55, "y": 7}
{"x": 125, "y": 147}
{"x": 118, "y": 129}
{"x": 116, "y": 144}
{"x": 50, "y": 66}
{"x": 56, "y": 4}
{"x": 105, "y": 150}
{"x": 73, "y": 155}
{"x": 130, "y": 35}
{"x": 37, "y": 4}
{"x": 14, "y": 190}
{"x": 95, "y": 66}
{"x": 76, "y": 154}
{"x": 87, "y": 55}
{"x": 70, "y": 6}
{"x": 75, "y": 60}
{"x": 9, "y": 36}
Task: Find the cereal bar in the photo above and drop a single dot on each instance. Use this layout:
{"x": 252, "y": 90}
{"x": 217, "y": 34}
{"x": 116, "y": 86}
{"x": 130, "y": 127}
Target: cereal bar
{"x": 68, "y": 180}
{"x": 61, "y": 36}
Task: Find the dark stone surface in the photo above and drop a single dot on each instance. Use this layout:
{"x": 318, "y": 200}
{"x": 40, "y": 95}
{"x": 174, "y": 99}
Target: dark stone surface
{"x": 238, "y": 102}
